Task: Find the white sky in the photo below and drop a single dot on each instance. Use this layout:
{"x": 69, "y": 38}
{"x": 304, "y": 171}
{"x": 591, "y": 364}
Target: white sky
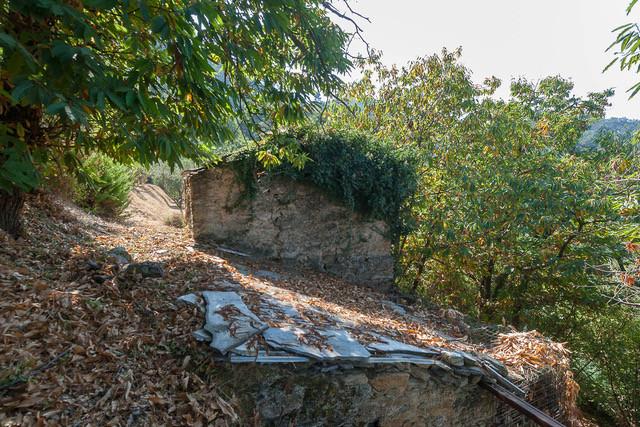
{"x": 509, "y": 38}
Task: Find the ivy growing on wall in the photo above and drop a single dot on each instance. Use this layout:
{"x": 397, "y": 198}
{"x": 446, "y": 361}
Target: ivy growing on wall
{"x": 365, "y": 174}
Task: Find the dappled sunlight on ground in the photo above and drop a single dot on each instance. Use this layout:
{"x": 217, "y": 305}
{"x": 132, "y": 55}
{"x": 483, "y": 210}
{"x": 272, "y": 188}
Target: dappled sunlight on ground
{"x": 82, "y": 345}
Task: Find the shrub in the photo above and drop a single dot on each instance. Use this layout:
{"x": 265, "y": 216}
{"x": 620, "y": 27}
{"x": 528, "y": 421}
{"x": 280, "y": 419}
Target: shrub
{"x": 606, "y": 361}
{"x": 103, "y": 185}
{"x": 58, "y": 180}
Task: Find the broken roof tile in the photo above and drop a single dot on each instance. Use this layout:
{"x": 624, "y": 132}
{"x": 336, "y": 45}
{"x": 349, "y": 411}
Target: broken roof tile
{"x": 193, "y": 299}
{"x": 273, "y": 306}
{"x": 202, "y": 335}
{"x": 388, "y": 345}
{"x": 229, "y": 320}
{"x": 324, "y": 345}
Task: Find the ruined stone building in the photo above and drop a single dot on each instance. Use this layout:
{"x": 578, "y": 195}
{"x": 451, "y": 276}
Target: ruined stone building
{"x": 288, "y": 221}
{"x": 291, "y": 352}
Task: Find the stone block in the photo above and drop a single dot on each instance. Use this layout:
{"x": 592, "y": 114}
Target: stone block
{"x": 396, "y": 381}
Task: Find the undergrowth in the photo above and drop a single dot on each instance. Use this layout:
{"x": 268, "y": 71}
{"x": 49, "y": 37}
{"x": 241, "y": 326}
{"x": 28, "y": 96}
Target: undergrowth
{"x": 103, "y": 185}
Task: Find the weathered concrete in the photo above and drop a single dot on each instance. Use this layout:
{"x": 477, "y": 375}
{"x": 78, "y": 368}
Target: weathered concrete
{"x": 288, "y": 221}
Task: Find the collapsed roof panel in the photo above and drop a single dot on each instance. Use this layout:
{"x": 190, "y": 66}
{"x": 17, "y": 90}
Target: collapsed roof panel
{"x": 229, "y": 320}
{"x": 325, "y": 345}
{"x": 303, "y": 327}
{"x": 388, "y": 345}
{"x": 231, "y": 327}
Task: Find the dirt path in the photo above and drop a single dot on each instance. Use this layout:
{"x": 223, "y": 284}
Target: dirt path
{"x": 80, "y": 348}
{"x": 148, "y": 203}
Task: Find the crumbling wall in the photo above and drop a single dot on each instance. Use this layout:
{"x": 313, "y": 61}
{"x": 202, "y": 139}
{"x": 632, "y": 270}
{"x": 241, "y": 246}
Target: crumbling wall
{"x": 398, "y": 395}
{"x": 288, "y": 221}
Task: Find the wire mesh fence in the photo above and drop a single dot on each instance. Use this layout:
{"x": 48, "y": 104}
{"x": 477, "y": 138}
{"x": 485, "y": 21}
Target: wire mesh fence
{"x": 543, "y": 387}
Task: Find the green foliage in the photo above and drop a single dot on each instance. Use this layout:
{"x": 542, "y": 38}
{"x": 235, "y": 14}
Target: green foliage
{"x": 513, "y": 221}
{"x": 627, "y": 42}
{"x": 149, "y": 80}
{"x": 606, "y": 363}
{"x": 166, "y": 177}
{"x": 364, "y": 173}
{"x": 103, "y": 185}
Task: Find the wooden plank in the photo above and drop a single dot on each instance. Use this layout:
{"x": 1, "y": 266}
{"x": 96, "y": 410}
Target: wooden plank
{"x": 521, "y": 405}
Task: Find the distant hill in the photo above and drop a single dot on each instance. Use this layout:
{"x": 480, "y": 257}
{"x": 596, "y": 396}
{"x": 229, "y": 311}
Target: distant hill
{"x": 620, "y": 125}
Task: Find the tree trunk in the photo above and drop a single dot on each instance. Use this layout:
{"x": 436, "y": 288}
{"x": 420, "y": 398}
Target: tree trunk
{"x": 521, "y": 290}
{"x": 486, "y": 282}
{"x": 11, "y": 203}
{"x": 416, "y": 281}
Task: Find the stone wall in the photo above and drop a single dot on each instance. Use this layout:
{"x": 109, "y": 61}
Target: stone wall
{"x": 288, "y": 221}
{"x": 398, "y": 395}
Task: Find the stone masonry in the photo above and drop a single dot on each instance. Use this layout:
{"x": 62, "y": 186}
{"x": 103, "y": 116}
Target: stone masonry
{"x": 288, "y": 221}
{"x": 398, "y": 395}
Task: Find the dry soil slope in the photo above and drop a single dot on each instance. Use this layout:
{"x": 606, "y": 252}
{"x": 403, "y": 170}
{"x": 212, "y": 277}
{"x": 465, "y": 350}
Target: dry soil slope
{"x": 149, "y": 203}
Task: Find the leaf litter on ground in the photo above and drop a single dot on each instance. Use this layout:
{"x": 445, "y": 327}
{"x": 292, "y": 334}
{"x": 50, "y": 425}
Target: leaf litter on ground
{"x": 81, "y": 347}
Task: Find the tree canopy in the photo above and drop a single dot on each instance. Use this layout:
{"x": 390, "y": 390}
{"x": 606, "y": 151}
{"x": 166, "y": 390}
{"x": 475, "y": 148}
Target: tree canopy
{"x": 514, "y": 219}
{"x": 149, "y": 80}
{"x": 627, "y": 48}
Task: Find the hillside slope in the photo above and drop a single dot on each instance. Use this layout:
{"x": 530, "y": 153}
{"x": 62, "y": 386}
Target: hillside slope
{"x": 148, "y": 202}
{"x": 618, "y": 125}
{"x": 85, "y": 344}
